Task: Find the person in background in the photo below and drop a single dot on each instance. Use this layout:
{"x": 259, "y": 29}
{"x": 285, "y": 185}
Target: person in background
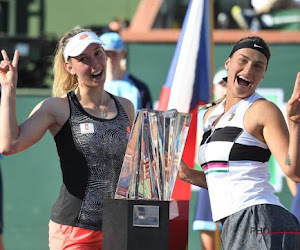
{"x": 203, "y": 221}
{"x": 119, "y": 81}
{"x": 219, "y": 84}
{"x": 90, "y": 127}
{"x": 267, "y": 14}
{"x": 118, "y": 24}
{"x": 240, "y": 134}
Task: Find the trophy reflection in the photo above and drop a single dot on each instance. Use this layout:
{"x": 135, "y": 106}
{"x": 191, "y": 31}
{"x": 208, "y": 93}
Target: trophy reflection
{"x": 153, "y": 155}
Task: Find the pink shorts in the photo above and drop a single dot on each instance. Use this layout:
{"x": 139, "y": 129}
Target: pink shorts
{"x": 69, "y": 237}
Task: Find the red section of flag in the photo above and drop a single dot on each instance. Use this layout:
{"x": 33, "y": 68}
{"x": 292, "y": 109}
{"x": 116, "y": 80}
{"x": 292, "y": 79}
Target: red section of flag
{"x": 164, "y": 98}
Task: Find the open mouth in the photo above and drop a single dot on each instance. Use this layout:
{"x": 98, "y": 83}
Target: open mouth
{"x": 97, "y": 74}
{"x": 243, "y": 82}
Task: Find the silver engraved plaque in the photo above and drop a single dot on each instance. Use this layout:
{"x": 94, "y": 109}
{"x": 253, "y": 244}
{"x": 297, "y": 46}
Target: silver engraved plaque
{"x": 145, "y": 216}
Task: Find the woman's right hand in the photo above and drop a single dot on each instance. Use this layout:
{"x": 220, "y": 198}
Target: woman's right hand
{"x": 191, "y": 176}
{"x": 293, "y": 105}
{"x": 9, "y": 70}
{"x": 183, "y": 172}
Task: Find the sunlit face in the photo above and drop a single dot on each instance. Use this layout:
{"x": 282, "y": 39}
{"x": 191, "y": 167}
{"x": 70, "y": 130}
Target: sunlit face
{"x": 246, "y": 69}
{"x": 114, "y": 61}
{"x": 89, "y": 66}
{"x": 219, "y": 90}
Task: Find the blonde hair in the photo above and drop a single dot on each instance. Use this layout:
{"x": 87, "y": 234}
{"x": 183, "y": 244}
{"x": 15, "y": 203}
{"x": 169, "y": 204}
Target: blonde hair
{"x": 211, "y": 104}
{"x": 63, "y": 80}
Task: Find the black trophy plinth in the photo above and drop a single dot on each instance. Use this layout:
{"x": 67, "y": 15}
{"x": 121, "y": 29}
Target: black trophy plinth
{"x": 145, "y": 224}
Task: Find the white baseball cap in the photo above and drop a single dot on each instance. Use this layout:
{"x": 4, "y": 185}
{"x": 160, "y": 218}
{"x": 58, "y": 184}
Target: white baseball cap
{"x": 79, "y": 43}
{"x": 219, "y": 76}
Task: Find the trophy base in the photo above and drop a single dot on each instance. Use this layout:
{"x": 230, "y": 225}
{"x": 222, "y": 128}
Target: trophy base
{"x": 145, "y": 224}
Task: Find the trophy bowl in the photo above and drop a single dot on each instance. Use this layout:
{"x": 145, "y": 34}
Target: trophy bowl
{"x": 153, "y": 155}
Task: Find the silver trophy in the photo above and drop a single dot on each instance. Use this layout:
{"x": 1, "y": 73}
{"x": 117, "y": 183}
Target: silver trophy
{"x": 153, "y": 155}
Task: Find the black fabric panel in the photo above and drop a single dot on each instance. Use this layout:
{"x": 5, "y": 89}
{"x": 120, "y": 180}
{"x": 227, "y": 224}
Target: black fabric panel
{"x": 222, "y": 134}
{"x": 205, "y": 136}
{"x": 241, "y": 152}
{"x": 226, "y": 134}
{"x": 73, "y": 164}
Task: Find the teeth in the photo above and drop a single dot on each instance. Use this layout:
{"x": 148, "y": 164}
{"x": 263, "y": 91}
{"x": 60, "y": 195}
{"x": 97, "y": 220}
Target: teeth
{"x": 244, "y": 78}
{"x": 97, "y": 73}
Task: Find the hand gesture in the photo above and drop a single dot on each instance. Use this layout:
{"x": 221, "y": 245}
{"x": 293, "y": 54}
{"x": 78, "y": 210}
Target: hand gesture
{"x": 9, "y": 70}
{"x": 293, "y": 105}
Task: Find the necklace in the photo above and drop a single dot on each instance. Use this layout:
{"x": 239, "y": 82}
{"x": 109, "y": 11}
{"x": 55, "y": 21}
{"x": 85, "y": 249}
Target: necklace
{"x": 103, "y": 111}
{"x": 103, "y": 108}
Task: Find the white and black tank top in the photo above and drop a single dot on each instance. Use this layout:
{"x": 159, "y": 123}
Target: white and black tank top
{"x": 235, "y": 162}
{"x": 91, "y": 152}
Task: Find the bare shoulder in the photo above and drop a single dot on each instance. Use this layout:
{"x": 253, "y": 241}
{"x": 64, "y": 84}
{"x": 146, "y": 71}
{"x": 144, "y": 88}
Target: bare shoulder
{"x": 54, "y": 111}
{"x": 263, "y": 103}
{"x": 265, "y": 111}
{"x": 52, "y": 105}
{"x": 128, "y": 107}
{"x": 263, "y": 116}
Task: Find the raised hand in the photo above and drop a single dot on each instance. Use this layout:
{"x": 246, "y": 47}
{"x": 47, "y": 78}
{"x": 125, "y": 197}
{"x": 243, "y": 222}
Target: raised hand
{"x": 293, "y": 105}
{"x": 9, "y": 70}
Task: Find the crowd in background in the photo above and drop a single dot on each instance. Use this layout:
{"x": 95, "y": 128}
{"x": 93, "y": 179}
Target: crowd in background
{"x": 231, "y": 14}
{"x": 257, "y": 14}
{"x": 237, "y": 14}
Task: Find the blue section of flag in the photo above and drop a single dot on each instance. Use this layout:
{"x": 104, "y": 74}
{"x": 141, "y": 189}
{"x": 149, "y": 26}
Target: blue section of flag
{"x": 199, "y": 82}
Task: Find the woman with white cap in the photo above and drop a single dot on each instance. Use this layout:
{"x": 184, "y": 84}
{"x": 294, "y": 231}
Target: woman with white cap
{"x": 219, "y": 84}
{"x": 90, "y": 128}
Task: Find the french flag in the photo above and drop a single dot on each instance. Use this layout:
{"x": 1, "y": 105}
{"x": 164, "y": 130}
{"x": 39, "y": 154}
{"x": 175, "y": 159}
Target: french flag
{"x": 188, "y": 81}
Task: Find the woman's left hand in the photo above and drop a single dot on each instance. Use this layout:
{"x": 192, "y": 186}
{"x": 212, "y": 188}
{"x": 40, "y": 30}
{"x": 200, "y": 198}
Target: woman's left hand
{"x": 293, "y": 105}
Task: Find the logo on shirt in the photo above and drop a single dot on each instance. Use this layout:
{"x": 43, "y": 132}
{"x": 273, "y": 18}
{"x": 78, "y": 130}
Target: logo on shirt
{"x": 87, "y": 128}
{"x": 231, "y": 116}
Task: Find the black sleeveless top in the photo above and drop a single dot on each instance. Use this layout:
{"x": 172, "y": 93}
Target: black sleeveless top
{"x": 91, "y": 152}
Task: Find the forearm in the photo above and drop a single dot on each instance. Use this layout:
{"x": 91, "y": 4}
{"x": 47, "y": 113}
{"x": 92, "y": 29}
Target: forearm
{"x": 192, "y": 176}
{"x": 292, "y": 162}
{"x": 9, "y": 128}
{"x": 196, "y": 178}
{"x": 292, "y": 186}
{"x": 293, "y": 154}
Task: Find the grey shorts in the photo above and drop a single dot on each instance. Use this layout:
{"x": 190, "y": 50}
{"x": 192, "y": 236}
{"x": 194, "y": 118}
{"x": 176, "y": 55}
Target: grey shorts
{"x": 265, "y": 226}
